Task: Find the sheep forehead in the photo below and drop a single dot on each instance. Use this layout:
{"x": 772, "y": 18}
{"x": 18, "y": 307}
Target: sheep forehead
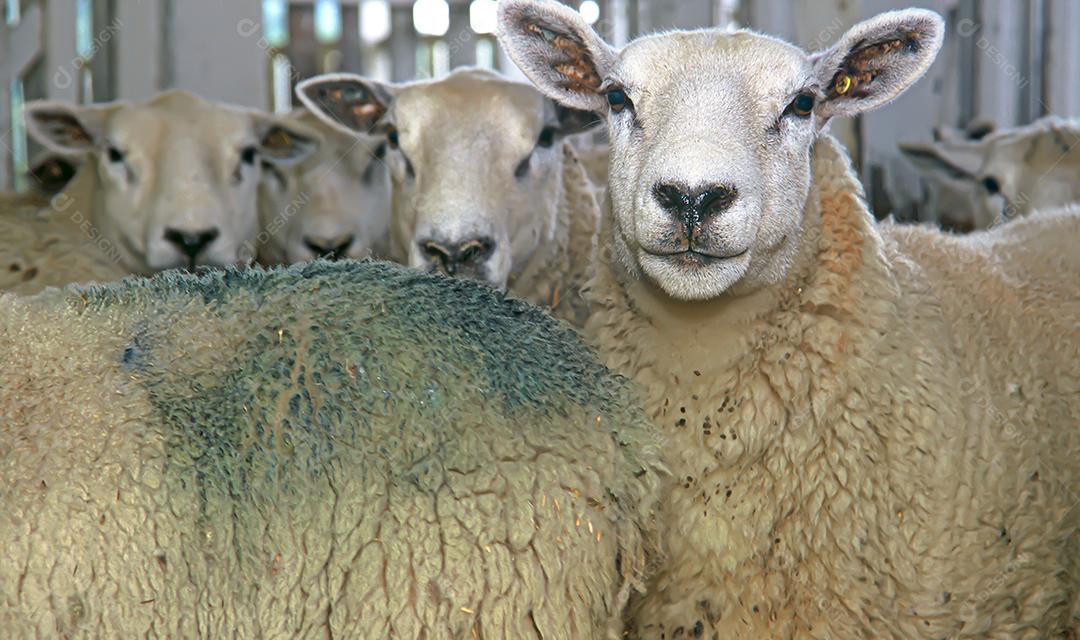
{"x": 180, "y": 130}
{"x": 749, "y": 72}
{"x": 470, "y": 111}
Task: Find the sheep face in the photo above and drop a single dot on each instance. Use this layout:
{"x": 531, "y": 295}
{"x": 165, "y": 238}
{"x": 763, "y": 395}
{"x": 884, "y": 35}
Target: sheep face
{"x": 711, "y": 131}
{"x": 335, "y": 204}
{"x": 475, "y": 160}
{"x": 1009, "y": 173}
{"x": 712, "y": 162}
{"x": 175, "y": 178}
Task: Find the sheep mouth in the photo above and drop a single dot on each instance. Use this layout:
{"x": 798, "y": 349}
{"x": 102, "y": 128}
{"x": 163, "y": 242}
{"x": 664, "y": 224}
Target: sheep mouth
{"x": 693, "y": 258}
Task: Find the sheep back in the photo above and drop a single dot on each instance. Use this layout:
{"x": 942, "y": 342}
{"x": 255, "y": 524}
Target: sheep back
{"x": 333, "y": 448}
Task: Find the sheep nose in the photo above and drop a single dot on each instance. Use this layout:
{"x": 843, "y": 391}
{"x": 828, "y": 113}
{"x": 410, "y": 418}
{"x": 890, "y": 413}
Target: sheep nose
{"x": 694, "y": 207}
{"x": 329, "y": 248}
{"x": 452, "y": 258}
{"x": 191, "y": 243}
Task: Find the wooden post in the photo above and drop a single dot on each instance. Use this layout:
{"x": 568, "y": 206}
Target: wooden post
{"x": 137, "y": 54}
{"x": 61, "y": 57}
{"x": 20, "y": 47}
{"x": 1061, "y": 63}
{"x": 461, "y": 41}
{"x": 402, "y": 40}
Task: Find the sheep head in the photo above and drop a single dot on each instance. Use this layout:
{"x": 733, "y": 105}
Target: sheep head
{"x": 475, "y": 160}
{"x": 335, "y": 204}
{"x": 174, "y": 178}
{"x": 711, "y": 131}
{"x": 1006, "y": 173}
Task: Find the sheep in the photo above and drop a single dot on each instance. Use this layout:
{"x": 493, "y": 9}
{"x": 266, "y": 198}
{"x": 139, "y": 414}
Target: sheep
{"x": 485, "y": 184}
{"x": 1006, "y": 173}
{"x": 39, "y": 251}
{"x": 871, "y": 429}
{"x": 36, "y": 253}
{"x": 335, "y": 204}
{"x": 170, "y": 182}
{"x": 945, "y": 197}
{"x": 333, "y": 449}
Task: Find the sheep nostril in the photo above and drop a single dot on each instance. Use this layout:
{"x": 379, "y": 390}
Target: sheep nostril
{"x": 434, "y": 250}
{"x": 672, "y": 198}
{"x": 474, "y": 251}
{"x": 440, "y": 257}
{"x": 716, "y": 200}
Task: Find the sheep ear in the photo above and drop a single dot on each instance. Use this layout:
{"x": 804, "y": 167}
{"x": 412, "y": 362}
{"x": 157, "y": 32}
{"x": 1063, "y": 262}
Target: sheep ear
{"x": 65, "y": 128}
{"x": 557, "y": 50}
{"x": 877, "y": 60}
{"x": 284, "y": 143}
{"x": 934, "y": 158}
{"x": 347, "y": 102}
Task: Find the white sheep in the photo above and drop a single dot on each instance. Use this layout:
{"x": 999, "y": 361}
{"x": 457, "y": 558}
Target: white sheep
{"x": 334, "y": 204}
{"x": 1004, "y": 174}
{"x": 484, "y": 183}
{"x": 170, "y": 182}
{"x": 873, "y": 428}
{"x": 337, "y": 449}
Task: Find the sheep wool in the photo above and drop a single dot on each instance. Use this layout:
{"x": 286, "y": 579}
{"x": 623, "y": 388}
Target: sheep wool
{"x": 328, "y": 450}
{"x": 38, "y": 251}
{"x": 884, "y": 445}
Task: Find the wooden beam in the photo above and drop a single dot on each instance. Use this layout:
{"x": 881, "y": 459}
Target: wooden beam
{"x": 460, "y": 39}
{"x": 20, "y": 47}
{"x": 138, "y": 49}
{"x": 402, "y": 41}
{"x": 1061, "y": 63}
{"x": 61, "y": 57}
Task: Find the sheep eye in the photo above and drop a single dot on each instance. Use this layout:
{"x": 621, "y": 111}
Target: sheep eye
{"x": 617, "y": 100}
{"x": 547, "y": 137}
{"x": 392, "y": 138}
{"x": 247, "y": 155}
{"x": 991, "y": 184}
{"x": 115, "y": 155}
{"x": 802, "y": 105}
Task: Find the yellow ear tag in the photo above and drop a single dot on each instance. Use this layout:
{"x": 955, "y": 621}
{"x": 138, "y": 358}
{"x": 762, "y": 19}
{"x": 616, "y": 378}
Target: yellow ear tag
{"x": 843, "y": 84}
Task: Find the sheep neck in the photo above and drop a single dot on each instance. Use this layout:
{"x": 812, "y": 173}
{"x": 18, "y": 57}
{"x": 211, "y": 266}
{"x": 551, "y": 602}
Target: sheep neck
{"x": 555, "y": 274}
{"x": 745, "y": 391}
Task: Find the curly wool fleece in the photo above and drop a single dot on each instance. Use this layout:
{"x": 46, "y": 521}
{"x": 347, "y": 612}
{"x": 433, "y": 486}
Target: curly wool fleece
{"x": 39, "y": 249}
{"x": 328, "y": 450}
{"x": 883, "y": 446}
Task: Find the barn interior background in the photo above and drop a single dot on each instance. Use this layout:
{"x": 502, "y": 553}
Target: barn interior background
{"x": 1004, "y": 61}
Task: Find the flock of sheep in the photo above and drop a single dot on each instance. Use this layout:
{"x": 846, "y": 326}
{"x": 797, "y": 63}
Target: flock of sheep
{"x": 772, "y": 416}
